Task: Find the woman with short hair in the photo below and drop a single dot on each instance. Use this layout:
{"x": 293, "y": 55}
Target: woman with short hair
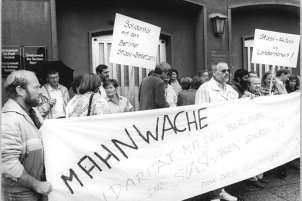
{"x": 116, "y": 102}
{"x": 88, "y": 102}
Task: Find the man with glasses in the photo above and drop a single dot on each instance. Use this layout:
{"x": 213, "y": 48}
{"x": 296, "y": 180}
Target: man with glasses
{"x": 215, "y": 90}
{"x": 54, "y": 97}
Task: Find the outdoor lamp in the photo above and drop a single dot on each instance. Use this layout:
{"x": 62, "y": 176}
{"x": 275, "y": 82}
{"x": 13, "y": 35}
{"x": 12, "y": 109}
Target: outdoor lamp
{"x": 218, "y": 23}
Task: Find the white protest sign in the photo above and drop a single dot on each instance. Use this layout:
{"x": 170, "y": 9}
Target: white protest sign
{"x": 169, "y": 154}
{"x": 134, "y": 42}
{"x": 275, "y": 48}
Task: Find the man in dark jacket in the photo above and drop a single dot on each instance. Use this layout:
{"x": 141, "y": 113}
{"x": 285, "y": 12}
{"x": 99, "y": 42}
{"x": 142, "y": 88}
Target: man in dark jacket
{"x": 152, "y": 89}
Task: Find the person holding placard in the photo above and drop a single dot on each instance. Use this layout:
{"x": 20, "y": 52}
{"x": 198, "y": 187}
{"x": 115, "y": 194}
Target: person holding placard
{"x": 282, "y": 76}
{"x": 265, "y": 84}
{"x": 217, "y": 90}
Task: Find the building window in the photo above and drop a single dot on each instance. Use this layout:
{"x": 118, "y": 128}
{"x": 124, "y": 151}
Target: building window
{"x": 128, "y": 77}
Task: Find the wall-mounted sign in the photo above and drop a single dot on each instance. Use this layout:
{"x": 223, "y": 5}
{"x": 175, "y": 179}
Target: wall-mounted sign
{"x": 33, "y": 54}
{"x": 216, "y": 56}
{"x": 21, "y": 57}
{"x": 11, "y": 59}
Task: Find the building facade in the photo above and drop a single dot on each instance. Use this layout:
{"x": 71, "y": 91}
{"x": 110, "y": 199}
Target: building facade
{"x": 79, "y": 32}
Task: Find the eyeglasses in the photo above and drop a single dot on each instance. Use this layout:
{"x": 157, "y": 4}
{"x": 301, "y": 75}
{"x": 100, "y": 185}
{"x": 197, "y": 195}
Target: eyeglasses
{"x": 225, "y": 70}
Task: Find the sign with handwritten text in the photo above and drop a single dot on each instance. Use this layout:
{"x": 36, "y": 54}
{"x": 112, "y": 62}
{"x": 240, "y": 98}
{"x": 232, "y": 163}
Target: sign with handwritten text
{"x": 169, "y": 154}
{"x": 134, "y": 42}
{"x": 275, "y": 48}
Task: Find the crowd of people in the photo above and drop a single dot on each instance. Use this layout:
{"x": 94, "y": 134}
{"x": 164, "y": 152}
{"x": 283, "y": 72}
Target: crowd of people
{"x": 97, "y": 94}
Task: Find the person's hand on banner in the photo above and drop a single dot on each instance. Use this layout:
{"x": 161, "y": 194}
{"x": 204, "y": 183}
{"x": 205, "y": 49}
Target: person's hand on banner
{"x": 248, "y": 94}
{"x": 43, "y": 187}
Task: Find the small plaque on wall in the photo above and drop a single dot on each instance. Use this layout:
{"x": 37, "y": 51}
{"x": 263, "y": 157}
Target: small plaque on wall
{"x": 33, "y": 55}
{"x": 216, "y": 56}
{"x": 11, "y": 59}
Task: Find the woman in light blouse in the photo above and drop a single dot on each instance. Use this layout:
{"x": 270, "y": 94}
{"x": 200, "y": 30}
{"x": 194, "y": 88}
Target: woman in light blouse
{"x": 78, "y": 106}
{"x": 116, "y": 102}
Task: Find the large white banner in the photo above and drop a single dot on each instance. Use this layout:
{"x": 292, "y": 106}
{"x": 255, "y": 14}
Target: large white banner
{"x": 275, "y": 48}
{"x": 134, "y": 42}
{"x": 169, "y": 154}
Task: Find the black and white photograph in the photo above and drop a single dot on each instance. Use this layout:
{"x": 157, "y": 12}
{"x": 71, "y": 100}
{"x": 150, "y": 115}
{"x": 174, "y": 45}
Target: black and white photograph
{"x": 161, "y": 100}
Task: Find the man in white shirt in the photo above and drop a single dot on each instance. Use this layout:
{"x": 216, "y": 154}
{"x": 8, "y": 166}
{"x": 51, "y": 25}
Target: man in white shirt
{"x": 54, "y": 96}
{"x": 216, "y": 89}
{"x": 103, "y": 72}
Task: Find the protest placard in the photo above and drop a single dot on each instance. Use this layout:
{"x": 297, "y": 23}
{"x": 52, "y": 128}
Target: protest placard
{"x": 134, "y": 42}
{"x": 169, "y": 154}
{"x": 275, "y": 48}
